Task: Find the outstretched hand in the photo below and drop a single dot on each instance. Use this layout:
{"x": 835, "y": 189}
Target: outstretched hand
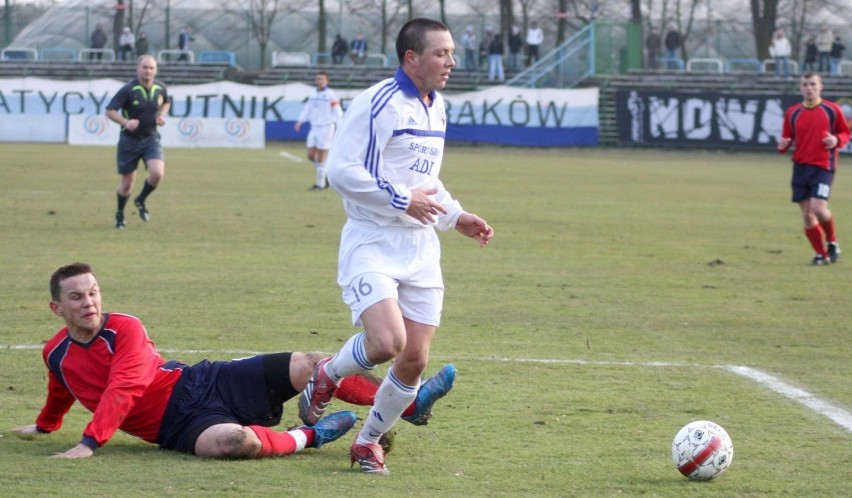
{"x": 475, "y": 227}
{"x": 79, "y": 451}
{"x": 423, "y": 207}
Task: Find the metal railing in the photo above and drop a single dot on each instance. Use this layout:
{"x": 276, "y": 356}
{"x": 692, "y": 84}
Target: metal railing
{"x": 564, "y": 67}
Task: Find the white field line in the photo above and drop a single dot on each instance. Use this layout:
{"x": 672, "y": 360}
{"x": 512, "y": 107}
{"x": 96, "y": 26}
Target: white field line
{"x": 834, "y": 413}
{"x": 295, "y": 159}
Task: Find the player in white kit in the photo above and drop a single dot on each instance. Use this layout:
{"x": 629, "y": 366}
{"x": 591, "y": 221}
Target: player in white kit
{"x": 323, "y": 112}
{"x": 385, "y": 162}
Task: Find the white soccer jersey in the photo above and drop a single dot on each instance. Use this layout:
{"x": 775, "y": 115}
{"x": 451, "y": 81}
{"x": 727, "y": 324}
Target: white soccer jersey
{"x": 322, "y": 108}
{"x": 389, "y": 144}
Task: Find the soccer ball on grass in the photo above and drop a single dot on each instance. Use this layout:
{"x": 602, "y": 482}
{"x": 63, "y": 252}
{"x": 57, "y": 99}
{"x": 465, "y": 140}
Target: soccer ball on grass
{"x": 702, "y": 450}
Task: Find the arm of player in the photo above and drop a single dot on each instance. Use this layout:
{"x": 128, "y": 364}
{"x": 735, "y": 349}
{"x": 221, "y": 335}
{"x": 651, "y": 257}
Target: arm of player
{"x": 127, "y": 124}
{"x": 164, "y": 111}
{"x": 355, "y": 164}
{"x": 133, "y": 369}
{"x": 475, "y": 227}
{"x": 786, "y": 138}
{"x": 841, "y": 131}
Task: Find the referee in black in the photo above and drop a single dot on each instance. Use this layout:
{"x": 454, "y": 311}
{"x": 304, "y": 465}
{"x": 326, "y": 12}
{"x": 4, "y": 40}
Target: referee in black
{"x": 139, "y": 107}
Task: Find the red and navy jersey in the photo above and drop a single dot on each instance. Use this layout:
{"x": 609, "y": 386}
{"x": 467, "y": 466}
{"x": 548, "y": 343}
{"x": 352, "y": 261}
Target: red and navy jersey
{"x": 807, "y": 126}
{"x": 119, "y": 376}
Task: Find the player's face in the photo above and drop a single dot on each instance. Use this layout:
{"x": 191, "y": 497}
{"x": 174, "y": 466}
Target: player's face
{"x": 146, "y": 69}
{"x": 431, "y": 69}
{"x": 811, "y": 89}
{"x": 321, "y": 81}
{"x": 80, "y": 304}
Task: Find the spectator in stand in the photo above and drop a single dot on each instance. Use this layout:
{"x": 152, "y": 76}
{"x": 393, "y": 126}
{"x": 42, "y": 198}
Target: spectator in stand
{"x": 515, "y": 45}
{"x": 358, "y": 52}
{"x": 810, "y": 62}
{"x": 837, "y": 48}
{"x": 652, "y": 48}
{"x": 780, "y": 49}
{"x": 141, "y": 44}
{"x": 125, "y": 44}
{"x": 184, "y": 38}
{"x": 483, "y": 47}
{"x": 495, "y": 58}
{"x": 824, "y": 39}
{"x": 339, "y": 49}
{"x": 673, "y": 43}
{"x": 468, "y": 41}
{"x": 535, "y": 37}
{"x": 98, "y": 41}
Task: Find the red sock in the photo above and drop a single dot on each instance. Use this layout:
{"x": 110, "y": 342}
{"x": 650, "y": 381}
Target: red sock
{"x": 828, "y": 228}
{"x": 358, "y": 390}
{"x": 361, "y": 390}
{"x": 814, "y": 235}
{"x": 274, "y": 443}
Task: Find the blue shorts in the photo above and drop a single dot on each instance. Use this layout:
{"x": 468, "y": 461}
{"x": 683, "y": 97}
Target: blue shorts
{"x": 248, "y": 391}
{"x": 131, "y": 150}
{"x": 810, "y": 181}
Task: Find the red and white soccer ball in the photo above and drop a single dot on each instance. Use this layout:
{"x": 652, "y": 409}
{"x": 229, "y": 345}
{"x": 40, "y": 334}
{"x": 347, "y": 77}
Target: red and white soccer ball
{"x": 702, "y": 450}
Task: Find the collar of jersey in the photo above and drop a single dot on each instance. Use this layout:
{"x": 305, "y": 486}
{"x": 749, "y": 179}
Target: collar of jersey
{"x": 408, "y": 87}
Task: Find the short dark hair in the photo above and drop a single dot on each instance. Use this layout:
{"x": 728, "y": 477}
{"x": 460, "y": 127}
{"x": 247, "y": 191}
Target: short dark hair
{"x": 810, "y": 74}
{"x": 64, "y": 273}
{"x": 412, "y": 36}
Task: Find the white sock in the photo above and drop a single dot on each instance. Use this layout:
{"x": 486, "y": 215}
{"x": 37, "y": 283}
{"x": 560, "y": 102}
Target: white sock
{"x": 392, "y": 398}
{"x": 322, "y": 169}
{"x": 351, "y": 359}
{"x": 300, "y": 437}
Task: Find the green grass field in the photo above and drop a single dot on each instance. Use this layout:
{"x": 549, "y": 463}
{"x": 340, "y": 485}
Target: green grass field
{"x": 601, "y": 319}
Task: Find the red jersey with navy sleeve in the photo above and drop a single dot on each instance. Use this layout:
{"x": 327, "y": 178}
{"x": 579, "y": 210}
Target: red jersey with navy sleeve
{"x": 807, "y": 126}
{"x": 119, "y": 376}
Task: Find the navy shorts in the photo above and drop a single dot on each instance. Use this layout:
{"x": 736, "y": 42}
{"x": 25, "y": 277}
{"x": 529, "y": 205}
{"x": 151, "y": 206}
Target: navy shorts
{"x": 810, "y": 181}
{"x": 248, "y": 391}
{"x": 131, "y": 150}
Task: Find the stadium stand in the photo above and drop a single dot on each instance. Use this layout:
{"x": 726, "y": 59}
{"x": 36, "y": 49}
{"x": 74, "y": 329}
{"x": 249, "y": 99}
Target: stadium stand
{"x": 175, "y": 73}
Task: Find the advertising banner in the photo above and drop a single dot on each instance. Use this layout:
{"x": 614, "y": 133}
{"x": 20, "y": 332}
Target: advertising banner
{"x": 708, "y": 119}
{"x": 500, "y": 115}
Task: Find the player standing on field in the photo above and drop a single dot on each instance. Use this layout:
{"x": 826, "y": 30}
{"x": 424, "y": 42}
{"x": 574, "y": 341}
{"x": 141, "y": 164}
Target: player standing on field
{"x": 818, "y": 129}
{"x": 385, "y": 163}
{"x": 323, "y": 112}
{"x": 139, "y": 107}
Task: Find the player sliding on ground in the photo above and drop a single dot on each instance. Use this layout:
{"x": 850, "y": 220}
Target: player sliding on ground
{"x": 211, "y": 409}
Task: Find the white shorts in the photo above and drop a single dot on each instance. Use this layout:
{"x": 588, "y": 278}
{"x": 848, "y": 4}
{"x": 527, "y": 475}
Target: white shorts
{"x": 320, "y": 136}
{"x": 400, "y": 264}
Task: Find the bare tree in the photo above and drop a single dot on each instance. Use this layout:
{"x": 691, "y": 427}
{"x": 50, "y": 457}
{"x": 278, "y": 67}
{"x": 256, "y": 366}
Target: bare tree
{"x": 389, "y": 12}
{"x": 763, "y": 16}
{"x": 261, "y": 17}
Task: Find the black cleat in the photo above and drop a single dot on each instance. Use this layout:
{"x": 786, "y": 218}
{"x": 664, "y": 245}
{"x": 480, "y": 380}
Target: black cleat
{"x": 833, "y": 252}
{"x": 119, "y": 220}
{"x": 820, "y": 260}
{"x": 143, "y": 211}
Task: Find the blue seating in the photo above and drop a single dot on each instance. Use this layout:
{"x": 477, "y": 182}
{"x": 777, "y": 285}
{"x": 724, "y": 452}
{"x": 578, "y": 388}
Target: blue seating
{"x": 217, "y": 57}
{"x": 57, "y": 54}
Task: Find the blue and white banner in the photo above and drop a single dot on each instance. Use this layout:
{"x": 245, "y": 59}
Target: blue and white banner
{"x": 498, "y": 115}
{"x": 183, "y": 132}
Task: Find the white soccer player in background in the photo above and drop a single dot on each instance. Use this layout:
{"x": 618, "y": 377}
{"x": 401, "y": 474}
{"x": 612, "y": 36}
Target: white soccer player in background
{"x": 323, "y": 112}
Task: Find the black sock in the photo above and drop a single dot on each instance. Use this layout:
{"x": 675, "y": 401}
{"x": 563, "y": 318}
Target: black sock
{"x": 146, "y": 191}
{"x": 122, "y": 200}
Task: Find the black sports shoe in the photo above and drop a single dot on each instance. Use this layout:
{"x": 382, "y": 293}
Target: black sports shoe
{"x": 119, "y": 219}
{"x": 820, "y": 260}
{"x": 833, "y": 252}
{"x": 315, "y": 187}
{"x": 143, "y": 211}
